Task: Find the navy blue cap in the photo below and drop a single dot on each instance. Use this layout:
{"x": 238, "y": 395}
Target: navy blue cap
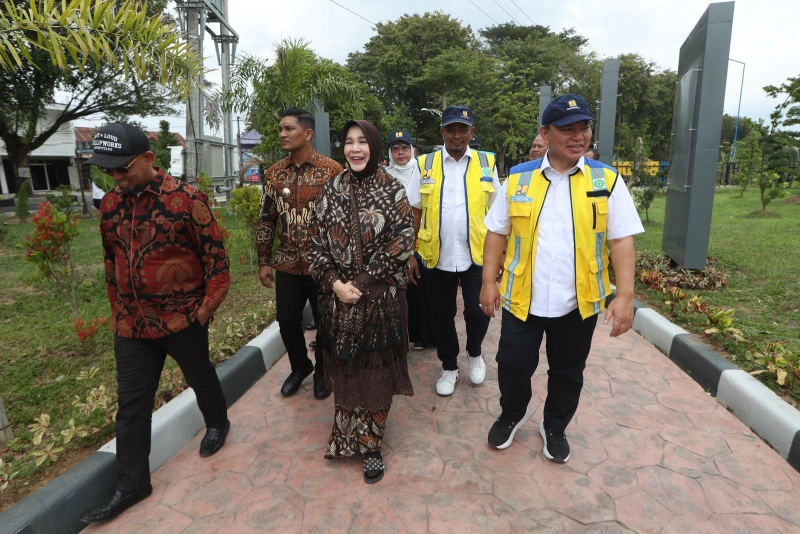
{"x": 115, "y": 144}
{"x": 566, "y": 109}
{"x": 399, "y": 135}
{"x": 475, "y": 142}
{"x": 460, "y": 114}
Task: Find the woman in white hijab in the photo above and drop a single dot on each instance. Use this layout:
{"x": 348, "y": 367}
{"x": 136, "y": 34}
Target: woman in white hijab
{"x": 403, "y": 165}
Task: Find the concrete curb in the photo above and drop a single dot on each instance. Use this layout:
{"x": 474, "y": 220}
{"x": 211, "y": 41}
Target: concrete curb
{"x": 56, "y": 508}
{"x": 757, "y": 406}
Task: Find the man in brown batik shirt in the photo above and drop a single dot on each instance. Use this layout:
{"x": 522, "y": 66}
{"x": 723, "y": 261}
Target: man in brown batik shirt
{"x": 290, "y": 187}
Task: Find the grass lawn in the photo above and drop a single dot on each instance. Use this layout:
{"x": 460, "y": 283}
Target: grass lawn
{"x": 760, "y": 257}
{"x": 44, "y": 367}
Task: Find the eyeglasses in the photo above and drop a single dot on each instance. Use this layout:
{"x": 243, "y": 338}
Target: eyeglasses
{"x": 121, "y": 170}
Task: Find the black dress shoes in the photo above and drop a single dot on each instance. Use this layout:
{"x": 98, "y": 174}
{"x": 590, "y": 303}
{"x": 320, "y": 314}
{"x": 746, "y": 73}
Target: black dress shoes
{"x": 294, "y": 381}
{"x": 321, "y": 391}
{"x": 214, "y": 440}
{"x": 118, "y": 503}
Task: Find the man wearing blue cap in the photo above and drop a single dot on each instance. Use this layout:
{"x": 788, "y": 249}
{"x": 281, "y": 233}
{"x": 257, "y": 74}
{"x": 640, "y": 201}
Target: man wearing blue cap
{"x": 556, "y": 214}
{"x": 450, "y": 198}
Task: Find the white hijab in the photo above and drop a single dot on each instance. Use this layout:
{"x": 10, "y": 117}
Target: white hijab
{"x": 403, "y": 173}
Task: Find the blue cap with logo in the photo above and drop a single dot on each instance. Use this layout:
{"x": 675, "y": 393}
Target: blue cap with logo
{"x": 460, "y": 114}
{"x": 399, "y": 135}
{"x": 475, "y": 142}
{"x": 566, "y": 109}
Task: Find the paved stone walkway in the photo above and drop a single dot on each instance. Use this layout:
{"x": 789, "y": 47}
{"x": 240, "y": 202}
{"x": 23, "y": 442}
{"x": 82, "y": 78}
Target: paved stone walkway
{"x": 651, "y": 452}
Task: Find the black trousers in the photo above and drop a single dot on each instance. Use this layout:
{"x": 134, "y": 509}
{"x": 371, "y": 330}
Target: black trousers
{"x": 419, "y": 313}
{"x": 569, "y": 339}
{"x": 291, "y": 293}
{"x": 139, "y": 366}
{"x": 442, "y": 288}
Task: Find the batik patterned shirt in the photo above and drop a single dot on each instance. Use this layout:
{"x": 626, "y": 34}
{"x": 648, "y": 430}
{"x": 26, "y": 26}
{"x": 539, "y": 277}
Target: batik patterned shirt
{"x": 287, "y": 203}
{"x": 164, "y": 258}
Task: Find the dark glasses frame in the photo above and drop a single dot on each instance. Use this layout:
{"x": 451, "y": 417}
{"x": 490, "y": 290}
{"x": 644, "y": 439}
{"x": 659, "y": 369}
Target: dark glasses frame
{"x": 121, "y": 170}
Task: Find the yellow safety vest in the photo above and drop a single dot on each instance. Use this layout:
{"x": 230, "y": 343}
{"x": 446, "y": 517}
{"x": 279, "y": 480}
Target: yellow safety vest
{"x": 478, "y": 181}
{"x": 589, "y": 192}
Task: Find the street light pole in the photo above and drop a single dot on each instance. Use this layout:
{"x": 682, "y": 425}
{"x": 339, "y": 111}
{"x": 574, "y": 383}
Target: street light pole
{"x": 738, "y": 110}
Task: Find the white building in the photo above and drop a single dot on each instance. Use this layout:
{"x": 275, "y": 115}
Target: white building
{"x": 51, "y": 165}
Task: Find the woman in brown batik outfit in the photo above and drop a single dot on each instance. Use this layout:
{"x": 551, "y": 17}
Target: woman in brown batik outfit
{"x": 361, "y": 236}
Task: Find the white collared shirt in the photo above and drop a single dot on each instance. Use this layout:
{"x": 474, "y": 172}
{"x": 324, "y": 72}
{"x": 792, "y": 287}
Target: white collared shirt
{"x": 553, "y": 287}
{"x": 454, "y": 254}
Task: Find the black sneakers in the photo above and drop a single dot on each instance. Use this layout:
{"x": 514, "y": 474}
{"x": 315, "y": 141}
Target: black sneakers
{"x": 556, "y": 447}
{"x": 502, "y": 433}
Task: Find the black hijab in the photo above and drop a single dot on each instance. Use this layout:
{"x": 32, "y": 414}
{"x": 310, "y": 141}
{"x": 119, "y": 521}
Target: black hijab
{"x": 374, "y": 142}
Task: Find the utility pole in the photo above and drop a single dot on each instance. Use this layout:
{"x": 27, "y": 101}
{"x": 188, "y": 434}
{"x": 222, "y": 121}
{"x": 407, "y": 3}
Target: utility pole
{"x": 239, "y": 150}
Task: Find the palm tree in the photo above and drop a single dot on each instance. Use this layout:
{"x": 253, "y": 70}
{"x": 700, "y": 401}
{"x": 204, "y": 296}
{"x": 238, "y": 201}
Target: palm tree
{"x": 290, "y": 80}
{"x": 103, "y": 32}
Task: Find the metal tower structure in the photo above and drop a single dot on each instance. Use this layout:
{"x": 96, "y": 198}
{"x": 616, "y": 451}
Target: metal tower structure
{"x": 198, "y": 17}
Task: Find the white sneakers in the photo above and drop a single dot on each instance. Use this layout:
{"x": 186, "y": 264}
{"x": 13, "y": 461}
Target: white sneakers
{"x": 477, "y": 369}
{"x": 447, "y": 383}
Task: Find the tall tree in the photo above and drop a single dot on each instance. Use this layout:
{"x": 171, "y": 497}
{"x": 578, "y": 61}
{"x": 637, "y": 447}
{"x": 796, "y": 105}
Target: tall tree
{"x": 108, "y": 55}
{"x": 644, "y": 107}
{"x": 261, "y": 90}
{"x": 393, "y": 65}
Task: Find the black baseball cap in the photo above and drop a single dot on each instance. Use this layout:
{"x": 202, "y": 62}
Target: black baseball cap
{"x": 475, "y": 142}
{"x": 399, "y": 135}
{"x": 566, "y": 109}
{"x": 457, "y": 114}
{"x": 115, "y": 144}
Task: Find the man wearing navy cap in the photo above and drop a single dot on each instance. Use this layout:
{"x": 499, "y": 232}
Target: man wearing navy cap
{"x": 475, "y": 142}
{"x": 450, "y": 198}
{"x": 166, "y": 272}
{"x": 556, "y": 214}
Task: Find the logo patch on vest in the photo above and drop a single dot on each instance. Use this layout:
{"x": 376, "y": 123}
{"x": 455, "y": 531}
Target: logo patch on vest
{"x": 522, "y": 189}
{"x": 486, "y": 171}
{"x": 521, "y": 198}
{"x": 598, "y": 183}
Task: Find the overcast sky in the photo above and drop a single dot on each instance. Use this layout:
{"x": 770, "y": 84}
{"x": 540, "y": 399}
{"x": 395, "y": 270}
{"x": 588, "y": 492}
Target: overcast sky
{"x": 765, "y": 33}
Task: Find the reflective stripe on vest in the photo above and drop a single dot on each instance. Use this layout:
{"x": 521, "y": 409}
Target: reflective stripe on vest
{"x": 589, "y": 192}
{"x": 478, "y": 185}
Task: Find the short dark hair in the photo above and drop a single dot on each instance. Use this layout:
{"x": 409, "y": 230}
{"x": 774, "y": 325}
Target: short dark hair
{"x": 304, "y": 118}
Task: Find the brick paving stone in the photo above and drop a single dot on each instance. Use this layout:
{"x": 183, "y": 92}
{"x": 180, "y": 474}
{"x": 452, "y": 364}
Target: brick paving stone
{"x": 269, "y": 469}
{"x": 642, "y": 513}
{"x": 695, "y": 440}
{"x": 462, "y": 512}
{"x": 634, "y": 448}
{"x": 784, "y": 504}
{"x": 207, "y": 494}
{"x": 273, "y": 509}
{"x": 753, "y": 473}
{"x": 575, "y": 495}
{"x": 519, "y": 491}
{"x": 628, "y": 414}
{"x": 651, "y": 452}
{"x": 392, "y": 514}
{"x": 465, "y": 476}
{"x": 631, "y": 392}
{"x": 327, "y": 515}
{"x": 615, "y": 479}
{"x": 666, "y": 416}
{"x": 687, "y": 463}
{"x": 726, "y": 497}
{"x": 679, "y": 493}
{"x": 546, "y": 522}
{"x": 609, "y": 527}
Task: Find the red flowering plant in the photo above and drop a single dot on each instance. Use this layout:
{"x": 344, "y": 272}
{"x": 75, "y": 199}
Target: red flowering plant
{"x": 49, "y": 249}
{"x": 88, "y": 329}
